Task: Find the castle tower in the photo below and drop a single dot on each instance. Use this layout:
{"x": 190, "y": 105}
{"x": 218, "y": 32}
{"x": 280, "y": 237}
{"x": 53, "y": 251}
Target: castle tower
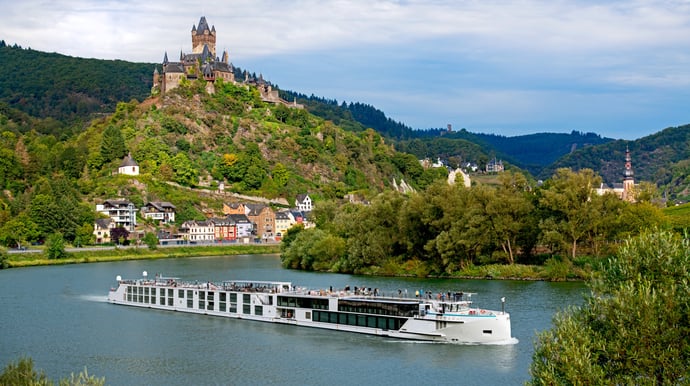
{"x": 628, "y": 179}
{"x": 203, "y": 36}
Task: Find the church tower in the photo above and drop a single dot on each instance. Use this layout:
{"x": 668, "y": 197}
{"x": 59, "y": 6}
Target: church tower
{"x": 203, "y": 36}
{"x": 628, "y": 180}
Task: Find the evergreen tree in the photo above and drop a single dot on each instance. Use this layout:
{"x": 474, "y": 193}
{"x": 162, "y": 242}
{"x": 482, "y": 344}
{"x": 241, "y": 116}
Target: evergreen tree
{"x": 112, "y": 144}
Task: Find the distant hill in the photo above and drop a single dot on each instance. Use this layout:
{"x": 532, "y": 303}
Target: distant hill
{"x": 65, "y": 88}
{"x": 661, "y": 158}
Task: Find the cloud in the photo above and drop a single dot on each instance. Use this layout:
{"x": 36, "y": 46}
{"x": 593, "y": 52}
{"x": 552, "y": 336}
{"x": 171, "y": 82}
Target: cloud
{"x": 583, "y": 64}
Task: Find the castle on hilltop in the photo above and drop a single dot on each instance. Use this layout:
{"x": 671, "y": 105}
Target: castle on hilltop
{"x": 204, "y": 63}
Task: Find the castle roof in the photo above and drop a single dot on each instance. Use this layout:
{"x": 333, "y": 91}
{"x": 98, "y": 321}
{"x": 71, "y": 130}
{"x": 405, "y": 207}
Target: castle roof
{"x": 203, "y": 26}
{"x": 174, "y": 67}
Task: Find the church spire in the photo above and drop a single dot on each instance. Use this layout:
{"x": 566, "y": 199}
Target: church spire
{"x": 628, "y": 174}
{"x": 628, "y": 180}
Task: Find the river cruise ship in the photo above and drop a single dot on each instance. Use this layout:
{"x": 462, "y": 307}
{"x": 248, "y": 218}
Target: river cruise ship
{"x": 438, "y": 317}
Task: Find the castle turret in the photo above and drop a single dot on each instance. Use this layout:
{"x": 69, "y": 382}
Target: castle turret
{"x": 203, "y": 35}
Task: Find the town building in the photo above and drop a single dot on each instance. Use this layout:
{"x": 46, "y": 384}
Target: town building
{"x": 303, "y": 202}
{"x": 284, "y": 221}
{"x": 494, "y": 166}
{"x": 243, "y": 227}
{"x": 197, "y": 231}
{"x": 263, "y": 218}
{"x": 102, "y": 229}
{"x": 224, "y": 229}
{"x": 161, "y": 211}
{"x": 122, "y": 212}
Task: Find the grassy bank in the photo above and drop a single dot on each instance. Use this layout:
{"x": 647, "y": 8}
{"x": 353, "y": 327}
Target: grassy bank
{"x": 553, "y": 270}
{"x": 78, "y": 257}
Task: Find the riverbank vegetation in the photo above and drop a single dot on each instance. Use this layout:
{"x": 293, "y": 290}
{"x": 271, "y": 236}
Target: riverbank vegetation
{"x": 560, "y": 230}
{"x": 120, "y": 254}
{"x": 23, "y": 373}
{"x": 633, "y": 328}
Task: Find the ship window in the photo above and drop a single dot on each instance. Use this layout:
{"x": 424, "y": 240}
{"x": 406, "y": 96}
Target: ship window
{"x": 487, "y": 332}
{"x": 381, "y": 322}
{"x": 222, "y": 306}
{"x": 233, "y": 308}
{"x": 371, "y": 321}
{"x": 246, "y": 309}
{"x": 342, "y": 318}
{"x": 170, "y": 301}
{"x": 258, "y": 310}
{"x": 361, "y": 320}
{"x": 202, "y": 300}
{"x": 211, "y": 303}
{"x": 307, "y": 315}
{"x": 180, "y": 293}
{"x": 223, "y": 296}
{"x": 352, "y": 319}
{"x": 153, "y": 292}
{"x": 162, "y": 301}
{"x": 170, "y": 292}
{"x": 233, "y": 297}
{"x": 246, "y": 298}
{"x": 333, "y": 317}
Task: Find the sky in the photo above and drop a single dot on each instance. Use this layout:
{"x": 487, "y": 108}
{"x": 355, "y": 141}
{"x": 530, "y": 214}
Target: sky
{"x": 620, "y": 69}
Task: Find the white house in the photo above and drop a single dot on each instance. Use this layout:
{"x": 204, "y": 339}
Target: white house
{"x": 129, "y": 166}
{"x": 122, "y": 212}
{"x": 198, "y": 231}
{"x": 159, "y": 211}
{"x": 304, "y": 203}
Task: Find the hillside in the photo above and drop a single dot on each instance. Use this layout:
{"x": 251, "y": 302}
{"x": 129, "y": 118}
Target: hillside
{"x": 65, "y": 88}
{"x": 660, "y": 158}
{"x": 59, "y": 95}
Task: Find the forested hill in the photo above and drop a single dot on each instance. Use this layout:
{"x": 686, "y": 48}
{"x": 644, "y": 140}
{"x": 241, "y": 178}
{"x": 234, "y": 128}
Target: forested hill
{"x": 533, "y": 152}
{"x": 660, "y": 158}
{"x": 65, "y": 88}
{"x": 58, "y": 94}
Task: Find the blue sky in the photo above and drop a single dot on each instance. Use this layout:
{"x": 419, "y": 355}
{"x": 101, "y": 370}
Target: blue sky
{"x": 617, "y": 68}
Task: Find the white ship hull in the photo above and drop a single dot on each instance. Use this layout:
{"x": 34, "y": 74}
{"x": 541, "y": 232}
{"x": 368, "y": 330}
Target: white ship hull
{"x": 437, "y": 320}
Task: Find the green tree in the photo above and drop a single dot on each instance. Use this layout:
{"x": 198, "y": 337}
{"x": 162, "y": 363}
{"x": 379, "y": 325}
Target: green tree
{"x": 151, "y": 240}
{"x": 569, "y": 196}
{"x": 505, "y": 211}
{"x": 112, "y": 144}
{"x": 633, "y": 327}
{"x": 18, "y": 231}
{"x": 281, "y": 175}
{"x": 84, "y": 235}
{"x": 55, "y": 246}
{"x": 184, "y": 171}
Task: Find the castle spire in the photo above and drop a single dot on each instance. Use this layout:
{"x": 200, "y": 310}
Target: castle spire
{"x": 165, "y": 58}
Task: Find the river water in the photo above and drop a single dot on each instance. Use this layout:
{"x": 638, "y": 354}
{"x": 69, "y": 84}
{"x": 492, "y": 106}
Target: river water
{"x": 59, "y": 317}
